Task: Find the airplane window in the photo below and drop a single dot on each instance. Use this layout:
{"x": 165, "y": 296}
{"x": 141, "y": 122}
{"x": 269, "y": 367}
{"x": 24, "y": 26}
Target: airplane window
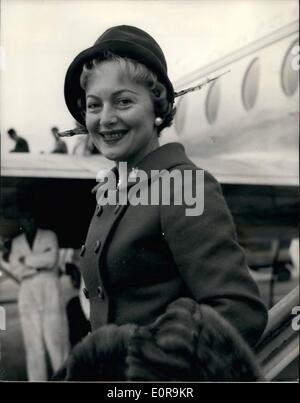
{"x": 212, "y": 102}
{"x": 289, "y": 74}
{"x": 180, "y": 115}
{"x": 250, "y": 84}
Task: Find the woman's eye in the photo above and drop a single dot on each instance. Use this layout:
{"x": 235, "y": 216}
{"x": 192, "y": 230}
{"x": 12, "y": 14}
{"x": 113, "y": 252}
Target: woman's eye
{"x": 92, "y": 105}
{"x": 124, "y": 102}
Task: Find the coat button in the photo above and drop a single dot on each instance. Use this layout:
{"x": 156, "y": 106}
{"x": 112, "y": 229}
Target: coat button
{"x": 86, "y": 293}
{"x": 100, "y": 292}
{"x": 82, "y": 250}
{"x": 99, "y": 210}
{"x": 97, "y": 246}
{"x": 133, "y": 174}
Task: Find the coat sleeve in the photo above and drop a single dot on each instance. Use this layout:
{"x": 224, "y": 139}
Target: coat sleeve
{"x": 211, "y": 262}
{"x": 49, "y": 256}
{"x": 18, "y": 268}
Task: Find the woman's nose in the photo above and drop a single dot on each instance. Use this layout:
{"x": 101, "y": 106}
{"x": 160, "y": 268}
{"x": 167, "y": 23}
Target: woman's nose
{"x": 107, "y": 117}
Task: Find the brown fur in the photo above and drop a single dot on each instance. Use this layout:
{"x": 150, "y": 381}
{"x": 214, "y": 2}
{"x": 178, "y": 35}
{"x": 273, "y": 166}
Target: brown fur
{"x": 189, "y": 342}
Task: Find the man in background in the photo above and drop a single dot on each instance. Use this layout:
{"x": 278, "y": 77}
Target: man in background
{"x": 33, "y": 260}
{"x": 60, "y": 146}
{"x": 21, "y": 145}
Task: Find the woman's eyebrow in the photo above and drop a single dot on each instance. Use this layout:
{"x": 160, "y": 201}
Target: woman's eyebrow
{"x": 124, "y": 90}
{"x": 113, "y": 94}
{"x": 91, "y": 96}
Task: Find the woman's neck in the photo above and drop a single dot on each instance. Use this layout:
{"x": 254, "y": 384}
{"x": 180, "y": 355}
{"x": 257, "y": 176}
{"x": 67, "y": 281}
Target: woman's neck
{"x": 133, "y": 162}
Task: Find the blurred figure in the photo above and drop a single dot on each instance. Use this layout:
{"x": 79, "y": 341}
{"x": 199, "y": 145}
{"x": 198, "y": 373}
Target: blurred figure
{"x": 21, "y": 144}
{"x": 60, "y": 146}
{"x": 33, "y": 260}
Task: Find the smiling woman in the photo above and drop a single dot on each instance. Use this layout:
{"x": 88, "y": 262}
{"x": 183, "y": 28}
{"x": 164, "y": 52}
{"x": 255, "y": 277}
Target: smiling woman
{"x": 138, "y": 259}
{"x": 137, "y": 73}
{"x": 119, "y": 115}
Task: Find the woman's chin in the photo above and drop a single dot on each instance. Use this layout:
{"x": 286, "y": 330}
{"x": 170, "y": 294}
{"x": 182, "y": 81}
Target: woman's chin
{"x": 117, "y": 152}
{"x": 113, "y": 154}
{"x": 113, "y": 151}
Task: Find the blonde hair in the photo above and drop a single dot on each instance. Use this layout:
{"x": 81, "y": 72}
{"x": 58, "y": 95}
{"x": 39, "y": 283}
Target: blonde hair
{"x": 140, "y": 74}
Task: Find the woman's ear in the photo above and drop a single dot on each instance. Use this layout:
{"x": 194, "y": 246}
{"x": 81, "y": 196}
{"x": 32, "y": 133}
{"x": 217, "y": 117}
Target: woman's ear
{"x": 160, "y": 91}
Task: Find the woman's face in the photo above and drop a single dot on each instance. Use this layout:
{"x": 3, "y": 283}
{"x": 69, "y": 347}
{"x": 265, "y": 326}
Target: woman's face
{"x": 119, "y": 114}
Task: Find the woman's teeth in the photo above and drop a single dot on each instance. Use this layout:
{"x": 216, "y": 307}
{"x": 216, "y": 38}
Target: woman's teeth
{"x": 113, "y": 136}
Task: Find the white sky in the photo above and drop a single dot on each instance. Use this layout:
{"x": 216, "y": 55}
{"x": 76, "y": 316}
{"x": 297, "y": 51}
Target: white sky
{"x": 39, "y": 39}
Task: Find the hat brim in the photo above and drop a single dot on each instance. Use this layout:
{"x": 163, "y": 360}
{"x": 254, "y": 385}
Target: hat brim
{"x": 72, "y": 89}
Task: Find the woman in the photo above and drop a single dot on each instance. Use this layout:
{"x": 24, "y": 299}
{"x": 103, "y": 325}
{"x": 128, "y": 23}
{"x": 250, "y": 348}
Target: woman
{"x": 137, "y": 259}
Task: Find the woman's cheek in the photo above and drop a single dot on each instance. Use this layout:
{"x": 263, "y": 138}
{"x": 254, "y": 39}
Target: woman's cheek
{"x": 91, "y": 123}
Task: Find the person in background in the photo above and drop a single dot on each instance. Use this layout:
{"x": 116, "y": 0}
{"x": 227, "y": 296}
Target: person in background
{"x": 60, "y": 146}
{"x": 33, "y": 260}
{"x": 21, "y": 144}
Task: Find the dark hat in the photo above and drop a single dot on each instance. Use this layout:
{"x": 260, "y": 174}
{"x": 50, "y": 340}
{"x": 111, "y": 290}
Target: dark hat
{"x": 124, "y": 41}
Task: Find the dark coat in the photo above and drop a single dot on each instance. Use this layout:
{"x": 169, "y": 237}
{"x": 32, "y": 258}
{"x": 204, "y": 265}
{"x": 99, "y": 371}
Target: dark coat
{"x": 138, "y": 259}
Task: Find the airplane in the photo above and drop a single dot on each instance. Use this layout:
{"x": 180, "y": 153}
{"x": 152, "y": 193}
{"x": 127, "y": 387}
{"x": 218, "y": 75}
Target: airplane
{"x": 242, "y": 128}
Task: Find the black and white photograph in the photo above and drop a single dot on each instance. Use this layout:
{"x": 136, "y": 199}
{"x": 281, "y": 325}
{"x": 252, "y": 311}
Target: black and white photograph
{"x": 149, "y": 193}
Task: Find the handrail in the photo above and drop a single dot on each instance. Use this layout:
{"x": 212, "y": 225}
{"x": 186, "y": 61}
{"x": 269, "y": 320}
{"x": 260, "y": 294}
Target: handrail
{"x": 279, "y": 345}
{"x": 281, "y": 312}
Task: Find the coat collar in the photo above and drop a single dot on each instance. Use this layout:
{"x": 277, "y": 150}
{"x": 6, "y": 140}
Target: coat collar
{"x": 164, "y": 157}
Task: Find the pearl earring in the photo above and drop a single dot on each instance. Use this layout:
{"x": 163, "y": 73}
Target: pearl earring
{"x": 158, "y": 121}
